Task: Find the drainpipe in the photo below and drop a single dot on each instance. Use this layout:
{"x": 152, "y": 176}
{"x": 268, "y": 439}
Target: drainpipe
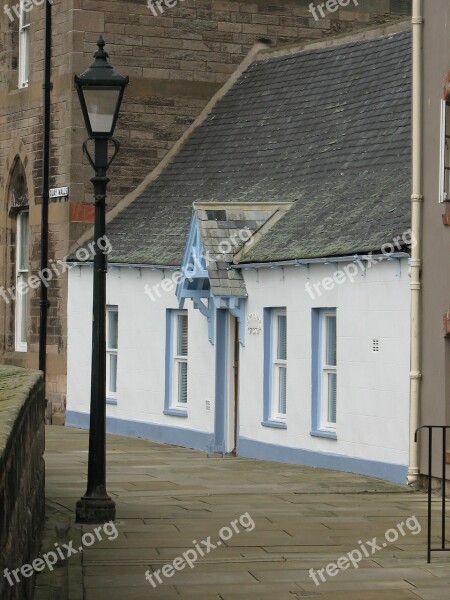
{"x": 416, "y": 226}
{"x": 47, "y": 86}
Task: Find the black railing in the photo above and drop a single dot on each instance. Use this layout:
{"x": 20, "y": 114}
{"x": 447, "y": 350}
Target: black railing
{"x": 443, "y": 429}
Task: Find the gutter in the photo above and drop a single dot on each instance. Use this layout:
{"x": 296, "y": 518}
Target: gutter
{"x": 304, "y": 262}
{"x": 89, "y": 263}
{"x": 416, "y": 227}
{"x": 322, "y": 261}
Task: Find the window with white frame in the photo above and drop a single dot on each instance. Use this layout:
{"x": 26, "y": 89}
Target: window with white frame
{"x": 444, "y": 174}
{"x": 24, "y": 42}
{"x": 22, "y": 259}
{"x": 328, "y": 388}
{"x": 180, "y": 359}
{"x": 279, "y": 362}
{"x": 112, "y": 347}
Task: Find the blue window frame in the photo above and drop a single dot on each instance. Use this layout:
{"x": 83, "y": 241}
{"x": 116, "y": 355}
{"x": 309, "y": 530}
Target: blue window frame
{"x": 324, "y": 372}
{"x": 275, "y": 368}
{"x": 176, "y": 376}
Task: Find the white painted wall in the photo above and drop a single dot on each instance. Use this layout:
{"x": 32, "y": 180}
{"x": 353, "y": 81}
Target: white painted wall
{"x": 373, "y": 389}
{"x": 141, "y": 355}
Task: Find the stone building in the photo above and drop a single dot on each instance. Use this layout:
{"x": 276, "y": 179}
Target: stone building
{"x": 177, "y": 56}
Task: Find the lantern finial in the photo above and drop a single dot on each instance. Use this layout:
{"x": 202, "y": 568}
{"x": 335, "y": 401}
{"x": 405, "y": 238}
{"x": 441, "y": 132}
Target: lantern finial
{"x": 101, "y": 54}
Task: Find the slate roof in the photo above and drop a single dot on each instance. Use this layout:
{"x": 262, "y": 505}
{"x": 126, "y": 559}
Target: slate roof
{"x": 327, "y": 128}
{"x": 225, "y": 228}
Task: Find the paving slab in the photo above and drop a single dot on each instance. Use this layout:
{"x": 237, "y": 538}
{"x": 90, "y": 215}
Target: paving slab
{"x": 287, "y": 520}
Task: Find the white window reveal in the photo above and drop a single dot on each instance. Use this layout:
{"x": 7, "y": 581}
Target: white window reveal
{"x": 24, "y": 42}
{"x": 22, "y": 260}
{"x": 112, "y": 349}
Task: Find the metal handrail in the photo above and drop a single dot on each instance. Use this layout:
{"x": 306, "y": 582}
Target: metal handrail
{"x": 431, "y": 428}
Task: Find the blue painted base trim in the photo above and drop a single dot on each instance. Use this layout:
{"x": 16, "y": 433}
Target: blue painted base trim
{"x": 263, "y": 451}
{"x": 276, "y": 424}
{"x": 189, "y": 438}
{"x": 177, "y": 436}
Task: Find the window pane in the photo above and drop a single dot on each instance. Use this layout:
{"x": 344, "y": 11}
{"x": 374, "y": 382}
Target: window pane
{"x": 21, "y": 311}
{"x": 446, "y": 152}
{"x": 281, "y": 343}
{"x": 331, "y": 341}
{"x": 332, "y": 389}
{"x": 113, "y": 327}
{"x": 182, "y": 382}
{"x": 24, "y": 56}
{"x": 182, "y": 335}
{"x": 113, "y": 373}
{"x": 282, "y": 390}
{"x": 23, "y": 236}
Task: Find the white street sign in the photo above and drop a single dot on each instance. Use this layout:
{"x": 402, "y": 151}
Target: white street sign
{"x": 60, "y": 192}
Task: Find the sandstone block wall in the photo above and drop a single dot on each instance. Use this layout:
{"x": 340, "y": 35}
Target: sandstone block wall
{"x": 22, "y": 495}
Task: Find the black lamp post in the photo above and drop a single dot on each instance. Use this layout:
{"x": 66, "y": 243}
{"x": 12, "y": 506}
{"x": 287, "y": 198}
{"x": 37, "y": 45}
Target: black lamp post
{"x": 100, "y": 90}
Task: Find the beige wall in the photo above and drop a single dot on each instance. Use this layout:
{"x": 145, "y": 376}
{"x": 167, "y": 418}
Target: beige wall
{"x": 436, "y": 236}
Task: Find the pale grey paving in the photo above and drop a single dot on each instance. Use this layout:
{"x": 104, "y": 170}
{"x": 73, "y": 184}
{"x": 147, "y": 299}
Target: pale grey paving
{"x": 304, "y": 518}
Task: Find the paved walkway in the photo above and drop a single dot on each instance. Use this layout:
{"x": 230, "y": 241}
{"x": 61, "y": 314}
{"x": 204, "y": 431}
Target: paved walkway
{"x": 304, "y": 518}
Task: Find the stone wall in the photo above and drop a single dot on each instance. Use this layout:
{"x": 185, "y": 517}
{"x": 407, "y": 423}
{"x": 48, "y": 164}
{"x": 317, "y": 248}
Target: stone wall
{"x": 22, "y": 495}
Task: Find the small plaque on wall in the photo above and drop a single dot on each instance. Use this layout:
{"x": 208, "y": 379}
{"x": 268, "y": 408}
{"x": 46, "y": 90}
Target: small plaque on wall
{"x": 254, "y": 324}
{"x": 61, "y": 192}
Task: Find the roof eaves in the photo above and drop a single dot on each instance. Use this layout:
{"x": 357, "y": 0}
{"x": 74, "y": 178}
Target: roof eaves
{"x": 299, "y": 262}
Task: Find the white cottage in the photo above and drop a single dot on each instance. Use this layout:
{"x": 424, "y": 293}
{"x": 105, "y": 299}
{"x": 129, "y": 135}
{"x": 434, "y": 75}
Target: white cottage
{"x": 258, "y": 288}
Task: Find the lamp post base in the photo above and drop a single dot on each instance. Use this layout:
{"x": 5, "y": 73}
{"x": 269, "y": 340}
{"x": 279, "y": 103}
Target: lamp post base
{"x": 95, "y": 510}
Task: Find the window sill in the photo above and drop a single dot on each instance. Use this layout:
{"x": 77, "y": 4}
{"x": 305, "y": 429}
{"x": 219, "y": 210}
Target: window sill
{"x": 175, "y": 412}
{"x": 274, "y": 424}
{"x": 111, "y": 401}
{"x": 331, "y": 435}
